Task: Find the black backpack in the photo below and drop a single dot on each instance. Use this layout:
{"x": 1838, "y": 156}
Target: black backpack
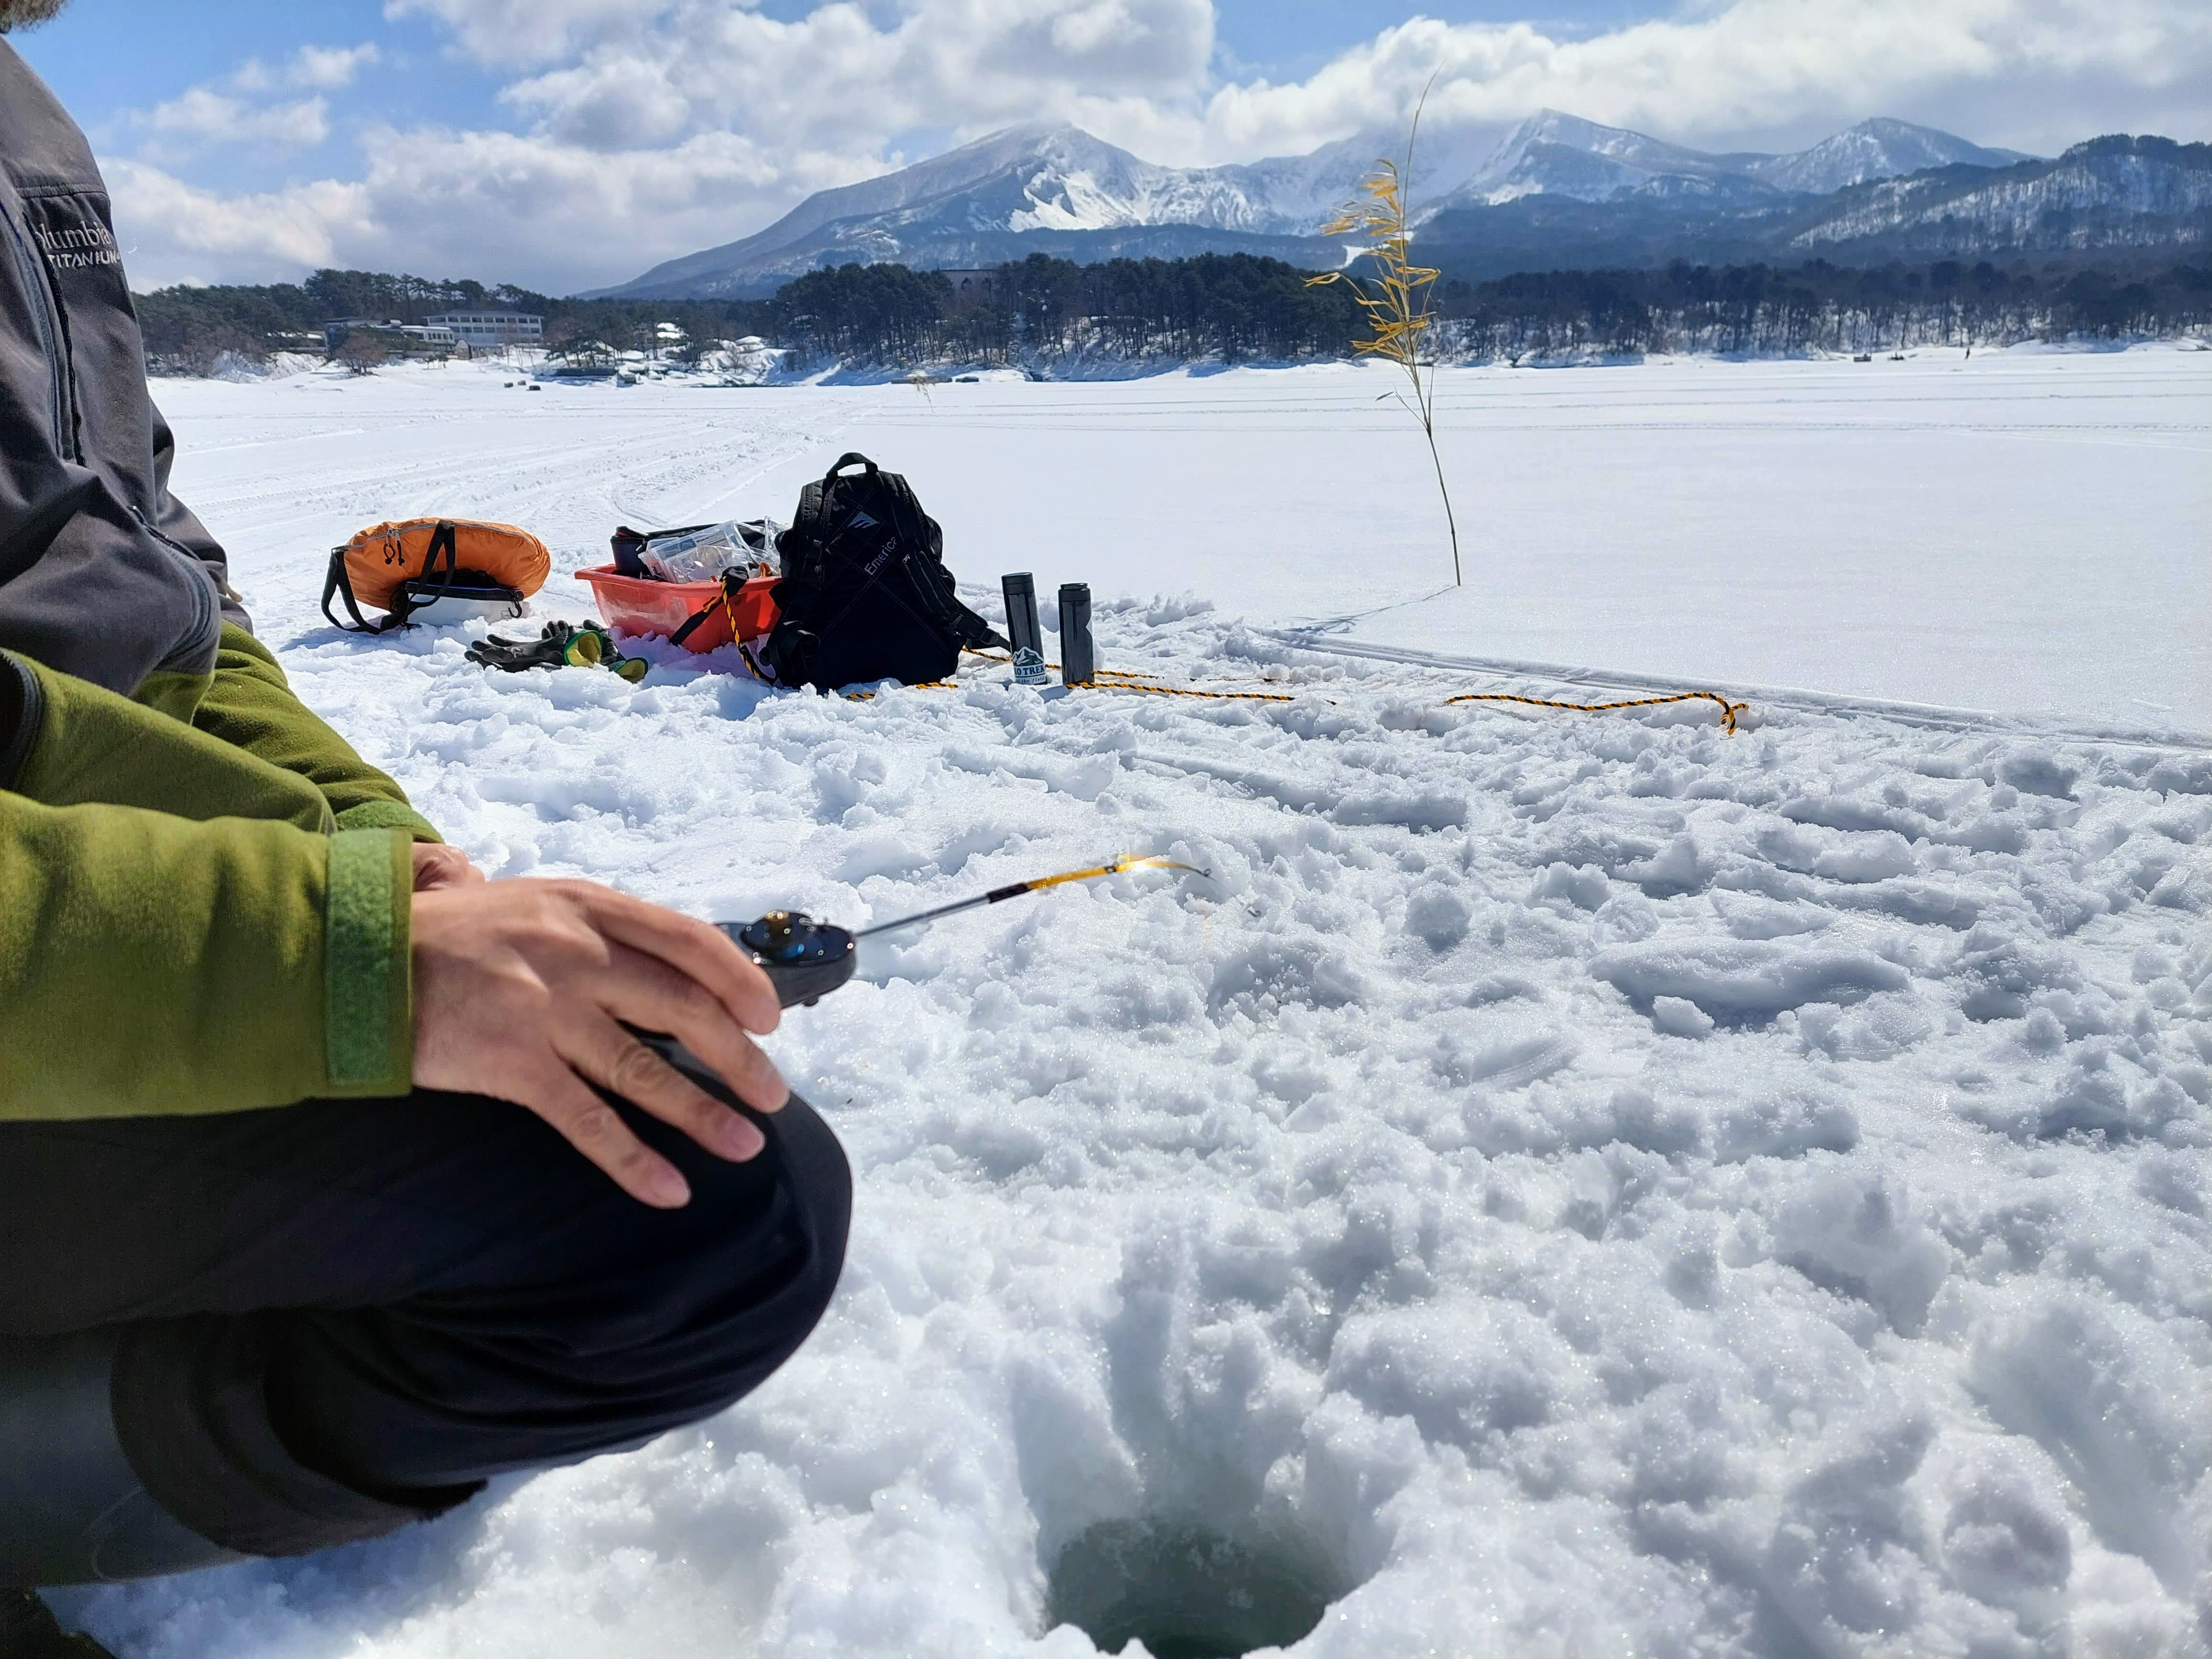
{"x": 864, "y": 595}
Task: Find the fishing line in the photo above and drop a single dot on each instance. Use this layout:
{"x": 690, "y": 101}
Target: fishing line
{"x": 999, "y": 895}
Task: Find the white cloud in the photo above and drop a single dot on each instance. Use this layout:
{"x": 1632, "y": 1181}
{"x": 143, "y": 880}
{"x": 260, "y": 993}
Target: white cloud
{"x": 220, "y": 118}
{"x": 2034, "y": 74}
{"x": 524, "y": 32}
{"x": 654, "y": 127}
{"x": 835, "y": 77}
{"x": 332, "y": 67}
{"x": 231, "y": 110}
{"x": 173, "y": 233}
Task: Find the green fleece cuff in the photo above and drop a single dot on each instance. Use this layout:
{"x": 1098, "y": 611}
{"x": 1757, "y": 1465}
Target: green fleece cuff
{"x": 389, "y": 815}
{"x": 367, "y": 1025}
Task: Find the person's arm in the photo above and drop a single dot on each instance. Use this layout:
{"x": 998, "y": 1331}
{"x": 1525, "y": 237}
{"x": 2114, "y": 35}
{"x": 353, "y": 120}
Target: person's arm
{"x": 153, "y": 963}
{"x": 250, "y": 706}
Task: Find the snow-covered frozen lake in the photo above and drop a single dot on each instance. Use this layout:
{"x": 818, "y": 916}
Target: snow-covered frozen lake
{"x": 2024, "y": 531}
{"x": 1567, "y": 1185}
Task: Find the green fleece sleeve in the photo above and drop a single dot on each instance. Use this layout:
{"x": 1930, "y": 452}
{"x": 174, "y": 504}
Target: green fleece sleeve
{"x": 87, "y": 745}
{"x": 152, "y": 965}
{"x": 251, "y": 706}
{"x": 179, "y": 929}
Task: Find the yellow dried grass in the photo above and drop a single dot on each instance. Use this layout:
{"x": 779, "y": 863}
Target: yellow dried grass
{"x": 1398, "y": 305}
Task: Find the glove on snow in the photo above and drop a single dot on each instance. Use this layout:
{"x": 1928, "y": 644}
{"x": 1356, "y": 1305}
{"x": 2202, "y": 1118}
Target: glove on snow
{"x": 562, "y": 645}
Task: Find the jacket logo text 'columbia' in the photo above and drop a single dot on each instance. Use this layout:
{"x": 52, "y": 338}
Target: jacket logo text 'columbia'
{"x": 77, "y": 247}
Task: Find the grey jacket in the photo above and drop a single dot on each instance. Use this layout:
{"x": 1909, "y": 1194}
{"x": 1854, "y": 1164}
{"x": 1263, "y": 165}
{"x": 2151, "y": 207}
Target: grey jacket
{"x": 104, "y": 574}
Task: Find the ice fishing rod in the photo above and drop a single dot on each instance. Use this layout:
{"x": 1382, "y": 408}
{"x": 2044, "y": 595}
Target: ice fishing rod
{"x": 805, "y": 959}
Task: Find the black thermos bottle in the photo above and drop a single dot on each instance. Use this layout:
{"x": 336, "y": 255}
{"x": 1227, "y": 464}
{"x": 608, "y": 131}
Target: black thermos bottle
{"x": 1020, "y": 589}
{"x": 1079, "y": 659}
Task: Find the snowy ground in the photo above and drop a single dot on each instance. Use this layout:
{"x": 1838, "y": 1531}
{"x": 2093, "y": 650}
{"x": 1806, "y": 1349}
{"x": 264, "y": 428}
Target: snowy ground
{"x": 1567, "y": 1185}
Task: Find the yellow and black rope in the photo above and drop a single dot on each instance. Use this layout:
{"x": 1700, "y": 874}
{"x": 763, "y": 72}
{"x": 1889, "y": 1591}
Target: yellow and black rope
{"x": 1110, "y": 679}
{"x": 1729, "y": 710}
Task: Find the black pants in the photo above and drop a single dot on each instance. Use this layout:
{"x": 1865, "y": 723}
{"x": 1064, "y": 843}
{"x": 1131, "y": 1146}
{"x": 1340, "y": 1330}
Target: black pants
{"x": 340, "y": 1316}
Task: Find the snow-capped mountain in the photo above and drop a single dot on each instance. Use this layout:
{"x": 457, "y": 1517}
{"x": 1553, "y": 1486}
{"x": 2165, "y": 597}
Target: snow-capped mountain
{"x": 2109, "y": 192}
{"x": 1552, "y": 154}
{"x": 1880, "y": 148}
{"x": 2133, "y": 193}
{"x": 956, "y": 208}
{"x": 1059, "y": 190}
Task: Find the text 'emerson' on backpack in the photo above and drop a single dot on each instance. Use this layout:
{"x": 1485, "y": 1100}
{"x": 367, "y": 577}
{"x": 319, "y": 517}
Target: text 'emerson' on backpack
{"x": 864, "y": 595}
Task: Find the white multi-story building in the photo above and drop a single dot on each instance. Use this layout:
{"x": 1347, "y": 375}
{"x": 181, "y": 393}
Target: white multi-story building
{"x": 492, "y": 327}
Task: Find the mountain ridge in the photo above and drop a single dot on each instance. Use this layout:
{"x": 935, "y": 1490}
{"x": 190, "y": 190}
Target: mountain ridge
{"x": 1058, "y": 189}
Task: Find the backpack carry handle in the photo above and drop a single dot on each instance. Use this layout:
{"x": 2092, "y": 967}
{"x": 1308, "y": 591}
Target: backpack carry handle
{"x": 848, "y": 459}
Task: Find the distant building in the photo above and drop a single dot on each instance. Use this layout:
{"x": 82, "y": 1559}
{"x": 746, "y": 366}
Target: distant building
{"x": 429, "y": 339}
{"x": 972, "y": 290}
{"x": 492, "y": 327}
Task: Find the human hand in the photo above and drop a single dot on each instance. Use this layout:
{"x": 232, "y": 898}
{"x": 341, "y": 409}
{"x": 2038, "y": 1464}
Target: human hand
{"x": 440, "y": 865}
{"x": 520, "y": 990}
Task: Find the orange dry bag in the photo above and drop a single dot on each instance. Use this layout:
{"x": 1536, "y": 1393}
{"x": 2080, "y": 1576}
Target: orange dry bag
{"x": 434, "y": 570}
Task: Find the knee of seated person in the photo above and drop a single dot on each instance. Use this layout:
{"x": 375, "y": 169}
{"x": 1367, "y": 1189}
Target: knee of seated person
{"x": 817, "y": 1184}
{"x": 728, "y": 1307}
{"x": 664, "y": 1318}
{"x": 743, "y": 1298}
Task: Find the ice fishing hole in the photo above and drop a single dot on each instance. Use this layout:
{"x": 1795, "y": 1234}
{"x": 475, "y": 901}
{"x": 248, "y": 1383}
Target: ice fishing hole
{"x": 1189, "y": 1593}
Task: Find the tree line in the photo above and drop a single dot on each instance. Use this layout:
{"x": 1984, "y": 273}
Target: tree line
{"x": 189, "y": 331}
{"x": 1757, "y": 310}
{"x": 1235, "y": 308}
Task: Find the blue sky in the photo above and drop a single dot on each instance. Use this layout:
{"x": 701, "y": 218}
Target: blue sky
{"x": 566, "y": 143}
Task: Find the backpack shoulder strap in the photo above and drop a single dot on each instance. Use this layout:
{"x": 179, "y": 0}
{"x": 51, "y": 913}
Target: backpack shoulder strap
{"x": 915, "y": 527}
{"x": 932, "y": 586}
{"x": 924, "y": 558}
{"x": 807, "y": 524}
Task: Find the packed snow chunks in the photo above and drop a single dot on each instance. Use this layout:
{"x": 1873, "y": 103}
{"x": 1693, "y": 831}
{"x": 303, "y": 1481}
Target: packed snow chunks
{"x": 405, "y": 566}
{"x": 864, "y": 595}
{"x": 699, "y": 552}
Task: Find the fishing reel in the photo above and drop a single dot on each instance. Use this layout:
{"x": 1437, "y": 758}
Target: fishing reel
{"x": 804, "y": 959}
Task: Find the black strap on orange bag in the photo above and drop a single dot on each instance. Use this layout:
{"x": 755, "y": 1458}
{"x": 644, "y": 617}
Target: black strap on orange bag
{"x": 337, "y": 584}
